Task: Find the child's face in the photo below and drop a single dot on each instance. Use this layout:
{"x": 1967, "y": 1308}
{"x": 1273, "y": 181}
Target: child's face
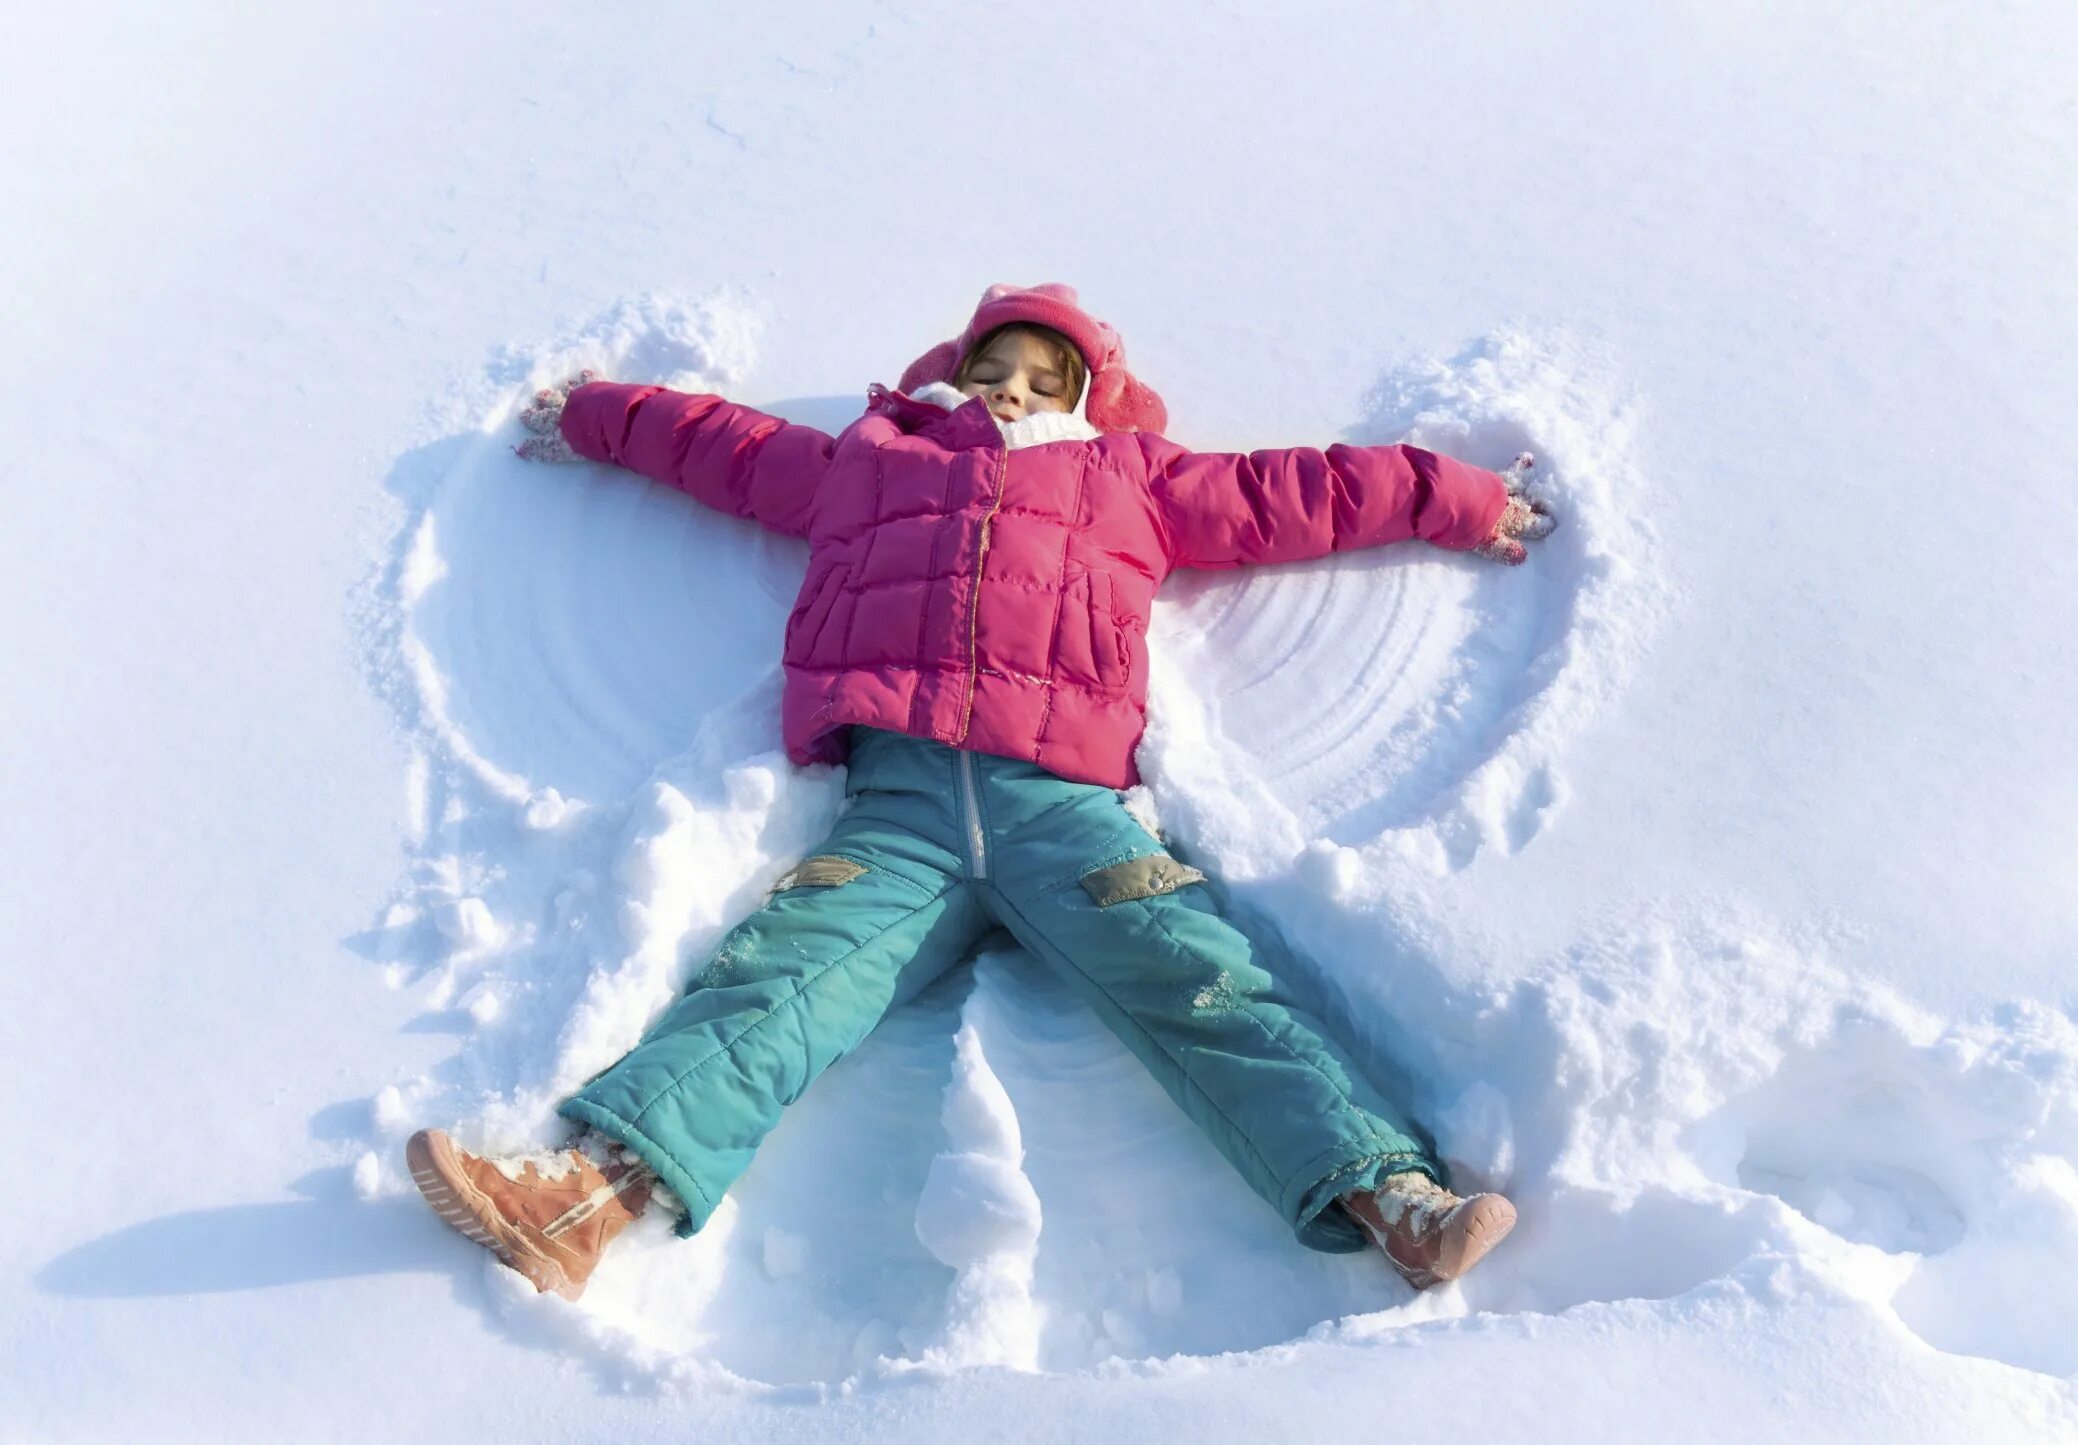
{"x": 1018, "y": 376}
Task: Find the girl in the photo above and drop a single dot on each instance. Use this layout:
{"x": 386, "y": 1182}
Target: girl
{"x": 984, "y": 547}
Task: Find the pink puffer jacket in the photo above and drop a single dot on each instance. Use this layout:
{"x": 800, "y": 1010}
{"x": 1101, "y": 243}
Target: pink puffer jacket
{"x": 998, "y": 599}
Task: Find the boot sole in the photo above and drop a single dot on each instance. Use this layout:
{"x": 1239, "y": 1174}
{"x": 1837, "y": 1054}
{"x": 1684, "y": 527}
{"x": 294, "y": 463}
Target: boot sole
{"x": 470, "y": 1212}
{"x": 1487, "y": 1220}
{"x": 1475, "y": 1227}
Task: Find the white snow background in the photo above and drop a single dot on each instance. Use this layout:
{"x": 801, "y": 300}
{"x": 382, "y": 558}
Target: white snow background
{"x": 1707, "y": 883}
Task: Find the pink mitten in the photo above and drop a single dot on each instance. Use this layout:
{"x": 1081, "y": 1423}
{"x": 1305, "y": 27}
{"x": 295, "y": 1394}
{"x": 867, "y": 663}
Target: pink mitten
{"x": 1524, "y": 519}
{"x": 543, "y": 416}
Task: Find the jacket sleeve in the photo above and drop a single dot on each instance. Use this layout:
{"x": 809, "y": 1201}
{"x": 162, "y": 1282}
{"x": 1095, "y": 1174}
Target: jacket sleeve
{"x": 734, "y": 459}
{"x": 1231, "y": 509}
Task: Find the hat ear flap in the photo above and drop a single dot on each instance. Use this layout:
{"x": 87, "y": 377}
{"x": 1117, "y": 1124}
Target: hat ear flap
{"x": 1141, "y": 403}
{"x": 1120, "y": 402}
{"x": 937, "y": 364}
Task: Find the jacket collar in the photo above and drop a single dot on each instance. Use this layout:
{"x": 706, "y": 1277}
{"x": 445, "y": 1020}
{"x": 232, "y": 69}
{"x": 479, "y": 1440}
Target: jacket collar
{"x": 941, "y": 413}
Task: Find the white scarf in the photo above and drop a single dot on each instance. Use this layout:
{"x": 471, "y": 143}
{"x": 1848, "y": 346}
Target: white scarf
{"x": 1026, "y": 431}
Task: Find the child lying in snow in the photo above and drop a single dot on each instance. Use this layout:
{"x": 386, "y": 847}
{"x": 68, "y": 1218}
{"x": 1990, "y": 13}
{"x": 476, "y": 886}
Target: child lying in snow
{"x": 984, "y": 546}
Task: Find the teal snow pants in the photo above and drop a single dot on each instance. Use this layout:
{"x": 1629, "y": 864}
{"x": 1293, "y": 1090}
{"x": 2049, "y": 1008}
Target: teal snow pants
{"x": 938, "y": 846}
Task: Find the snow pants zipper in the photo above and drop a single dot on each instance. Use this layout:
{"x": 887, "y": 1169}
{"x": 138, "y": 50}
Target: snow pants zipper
{"x": 970, "y": 812}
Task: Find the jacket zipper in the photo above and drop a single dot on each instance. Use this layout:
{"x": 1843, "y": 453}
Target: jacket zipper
{"x": 974, "y": 607}
{"x": 970, "y": 801}
{"x": 970, "y": 804}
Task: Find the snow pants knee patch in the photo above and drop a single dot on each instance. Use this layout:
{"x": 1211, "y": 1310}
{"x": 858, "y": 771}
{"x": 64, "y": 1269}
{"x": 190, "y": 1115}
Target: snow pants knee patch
{"x": 825, "y": 870}
{"x": 1144, "y": 877}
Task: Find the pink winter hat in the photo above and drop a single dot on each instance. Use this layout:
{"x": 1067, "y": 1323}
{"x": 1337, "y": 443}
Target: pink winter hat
{"x": 1116, "y": 401}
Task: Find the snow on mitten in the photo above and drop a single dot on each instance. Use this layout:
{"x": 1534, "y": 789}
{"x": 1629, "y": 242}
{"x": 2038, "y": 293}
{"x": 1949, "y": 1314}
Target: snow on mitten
{"x": 1524, "y": 519}
{"x": 543, "y": 416}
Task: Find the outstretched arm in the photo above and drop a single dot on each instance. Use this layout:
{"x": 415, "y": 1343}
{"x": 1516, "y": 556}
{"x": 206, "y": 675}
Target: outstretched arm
{"x": 1231, "y": 509}
{"x": 734, "y": 459}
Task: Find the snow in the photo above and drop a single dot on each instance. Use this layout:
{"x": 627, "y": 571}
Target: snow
{"x": 1704, "y": 883}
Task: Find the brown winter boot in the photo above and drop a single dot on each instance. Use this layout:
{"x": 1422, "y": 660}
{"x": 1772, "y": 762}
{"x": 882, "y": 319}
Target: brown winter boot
{"x": 1428, "y": 1233}
{"x": 550, "y": 1227}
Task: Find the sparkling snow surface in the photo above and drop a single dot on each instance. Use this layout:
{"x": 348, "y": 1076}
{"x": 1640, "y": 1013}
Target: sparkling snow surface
{"x": 1706, "y": 883}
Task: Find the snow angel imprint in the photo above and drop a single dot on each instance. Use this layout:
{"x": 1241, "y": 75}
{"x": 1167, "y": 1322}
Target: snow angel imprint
{"x": 985, "y": 543}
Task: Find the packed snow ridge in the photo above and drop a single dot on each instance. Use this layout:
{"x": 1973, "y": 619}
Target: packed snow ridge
{"x": 1686, "y": 1106}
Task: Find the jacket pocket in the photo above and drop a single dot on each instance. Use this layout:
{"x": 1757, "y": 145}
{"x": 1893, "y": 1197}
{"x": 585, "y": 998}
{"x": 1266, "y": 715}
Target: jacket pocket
{"x": 1088, "y": 646}
{"x": 1074, "y": 640}
{"x": 1107, "y": 645}
{"x": 811, "y": 618}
